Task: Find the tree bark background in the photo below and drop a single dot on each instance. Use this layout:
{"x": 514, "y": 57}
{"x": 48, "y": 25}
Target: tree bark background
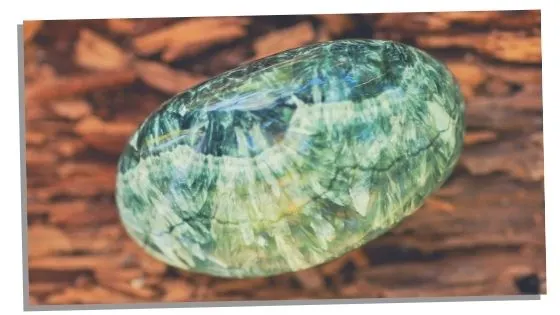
{"x": 89, "y": 83}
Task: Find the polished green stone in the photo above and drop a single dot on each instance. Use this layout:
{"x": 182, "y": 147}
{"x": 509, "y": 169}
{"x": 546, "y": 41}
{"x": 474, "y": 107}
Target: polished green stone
{"x": 293, "y": 160}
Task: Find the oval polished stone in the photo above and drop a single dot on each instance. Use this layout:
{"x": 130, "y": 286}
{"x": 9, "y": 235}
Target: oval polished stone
{"x": 293, "y": 160}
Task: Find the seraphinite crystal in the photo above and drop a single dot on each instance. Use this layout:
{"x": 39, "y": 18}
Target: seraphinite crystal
{"x": 293, "y": 160}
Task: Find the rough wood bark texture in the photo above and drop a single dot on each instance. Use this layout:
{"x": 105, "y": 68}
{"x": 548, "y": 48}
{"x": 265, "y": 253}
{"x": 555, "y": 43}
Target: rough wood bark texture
{"x": 90, "y": 83}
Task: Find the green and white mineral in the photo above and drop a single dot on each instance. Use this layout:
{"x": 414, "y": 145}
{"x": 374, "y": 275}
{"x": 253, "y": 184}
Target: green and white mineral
{"x": 293, "y": 160}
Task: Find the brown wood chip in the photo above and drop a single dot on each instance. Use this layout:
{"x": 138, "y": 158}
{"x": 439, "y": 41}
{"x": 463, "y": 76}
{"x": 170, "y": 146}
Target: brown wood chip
{"x": 498, "y": 87}
{"x": 105, "y": 136}
{"x": 506, "y": 46}
{"x": 189, "y": 36}
{"x": 238, "y": 285}
{"x": 121, "y": 275}
{"x": 472, "y": 18}
{"x": 336, "y": 24}
{"x": 77, "y": 168}
{"x": 71, "y": 109}
{"x": 513, "y": 47}
{"x": 529, "y": 19}
{"x": 521, "y": 158}
{"x": 439, "y": 205}
{"x": 93, "y": 242}
{"x": 40, "y": 288}
{"x": 412, "y": 22}
{"x": 30, "y": 28}
{"x": 68, "y": 148}
{"x": 177, "y": 291}
{"x": 94, "y": 295}
{"x": 69, "y": 263}
{"x": 34, "y": 137}
{"x": 122, "y": 26}
{"x": 133, "y": 288}
{"x": 281, "y": 40}
{"x": 310, "y": 279}
{"x": 138, "y": 257}
{"x": 83, "y": 214}
{"x": 95, "y": 52}
{"x": 515, "y": 74}
{"x": 360, "y": 289}
{"x": 528, "y": 99}
{"x": 474, "y": 137}
{"x": 44, "y": 240}
{"x": 35, "y": 158}
{"x": 73, "y": 85}
{"x": 164, "y": 78}
{"x": 101, "y": 183}
{"x": 33, "y": 300}
{"x": 469, "y": 75}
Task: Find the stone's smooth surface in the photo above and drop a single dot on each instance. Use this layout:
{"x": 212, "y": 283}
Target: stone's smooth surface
{"x": 293, "y": 160}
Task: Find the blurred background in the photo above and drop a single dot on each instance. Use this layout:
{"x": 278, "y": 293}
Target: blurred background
{"x": 89, "y": 83}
